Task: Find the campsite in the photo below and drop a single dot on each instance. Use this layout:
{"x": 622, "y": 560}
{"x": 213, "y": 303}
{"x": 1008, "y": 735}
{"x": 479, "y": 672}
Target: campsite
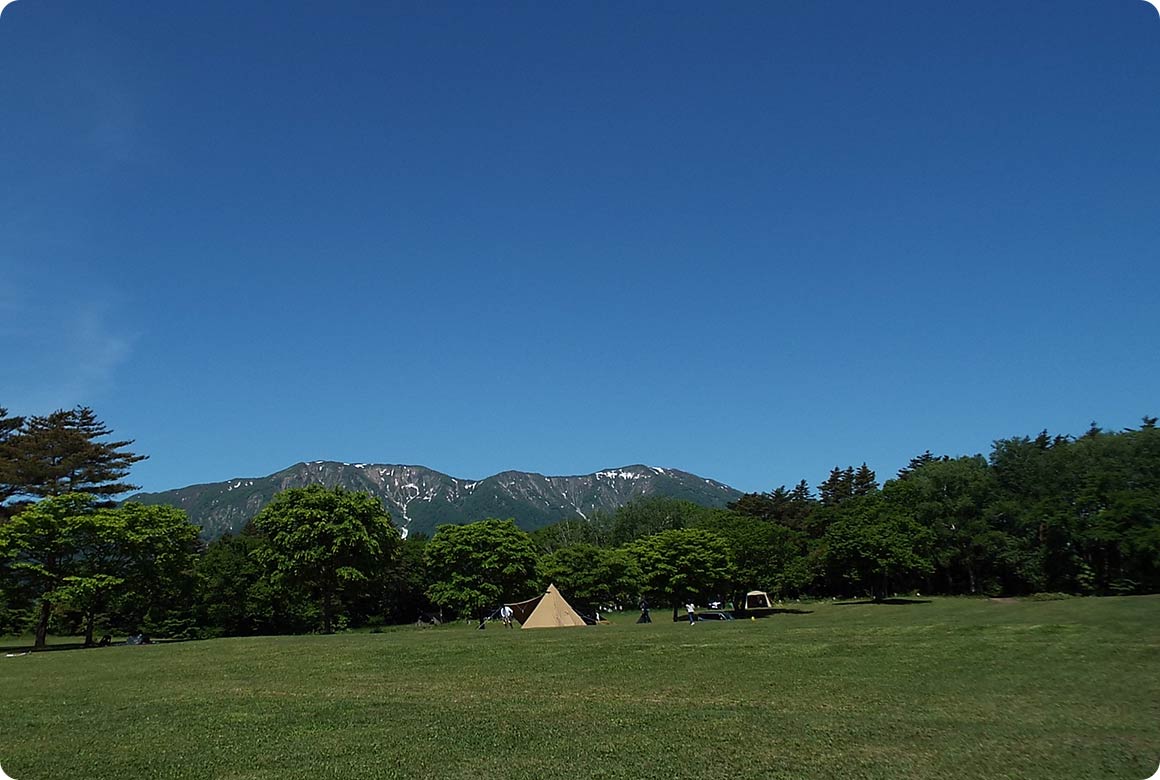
{"x": 1015, "y": 689}
{"x": 552, "y": 391}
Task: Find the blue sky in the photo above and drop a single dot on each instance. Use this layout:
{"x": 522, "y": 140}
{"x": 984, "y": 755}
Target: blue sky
{"x": 748, "y": 240}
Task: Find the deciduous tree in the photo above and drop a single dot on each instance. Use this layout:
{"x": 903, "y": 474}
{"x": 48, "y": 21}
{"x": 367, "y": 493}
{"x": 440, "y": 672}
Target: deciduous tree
{"x": 236, "y": 598}
{"x": 479, "y": 565}
{"x": 870, "y": 544}
{"x": 647, "y": 516}
{"x": 43, "y": 552}
{"x": 591, "y": 575}
{"x": 325, "y": 539}
{"x": 686, "y": 563}
{"x": 950, "y": 498}
{"x": 766, "y": 555}
{"x": 72, "y": 551}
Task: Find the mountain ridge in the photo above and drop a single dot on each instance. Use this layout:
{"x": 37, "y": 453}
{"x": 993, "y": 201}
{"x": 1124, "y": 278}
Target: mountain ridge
{"x": 420, "y": 498}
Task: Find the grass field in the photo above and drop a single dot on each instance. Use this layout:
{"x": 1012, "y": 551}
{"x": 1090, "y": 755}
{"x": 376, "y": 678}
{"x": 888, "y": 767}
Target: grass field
{"x": 953, "y": 688}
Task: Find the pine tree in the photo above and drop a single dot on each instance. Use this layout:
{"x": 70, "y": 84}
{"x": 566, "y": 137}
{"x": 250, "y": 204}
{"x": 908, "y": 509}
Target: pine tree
{"x": 62, "y": 453}
{"x": 781, "y": 505}
{"x": 917, "y": 462}
{"x": 864, "y": 481}
{"x": 10, "y": 425}
{"x": 1046, "y": 441}
{"x": 799, "y": 508}
{"x": 780, "y": 496}
{"x": 9, "y": 428}
{"x": 758, "y": 505}
{"x": 838, "y": 487}
{"x": 801, "y": 493}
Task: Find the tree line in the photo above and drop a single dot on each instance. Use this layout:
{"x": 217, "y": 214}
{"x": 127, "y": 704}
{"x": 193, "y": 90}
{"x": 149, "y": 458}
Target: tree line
{"x": 1049, "y": 513}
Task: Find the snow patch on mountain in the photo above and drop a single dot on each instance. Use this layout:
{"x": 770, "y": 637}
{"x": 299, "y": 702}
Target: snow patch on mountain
{"x": 420, "y": 499}
{"x": 621, "y": 473}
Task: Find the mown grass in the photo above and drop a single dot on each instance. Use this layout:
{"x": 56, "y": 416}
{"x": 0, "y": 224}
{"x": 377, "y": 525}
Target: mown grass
{"x": 954, "y": 688}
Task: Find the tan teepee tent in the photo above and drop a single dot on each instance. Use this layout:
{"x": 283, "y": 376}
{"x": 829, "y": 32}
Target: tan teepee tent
{"x": 547, "y": 611}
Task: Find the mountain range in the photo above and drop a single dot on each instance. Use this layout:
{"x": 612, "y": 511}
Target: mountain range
{"x": 420, "y": 498}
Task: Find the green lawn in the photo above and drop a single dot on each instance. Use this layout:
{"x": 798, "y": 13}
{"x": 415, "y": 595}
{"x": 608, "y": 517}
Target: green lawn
{"x": 954, "y": 688}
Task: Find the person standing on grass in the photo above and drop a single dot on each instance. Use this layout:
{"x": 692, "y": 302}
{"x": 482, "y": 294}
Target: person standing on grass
{"x": 505, "y": 614}
{"x": 692, "y": 617}
{"x": 644, "y": 616}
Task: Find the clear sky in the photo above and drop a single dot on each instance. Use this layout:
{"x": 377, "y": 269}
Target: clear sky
{"x": 748, "y": 240}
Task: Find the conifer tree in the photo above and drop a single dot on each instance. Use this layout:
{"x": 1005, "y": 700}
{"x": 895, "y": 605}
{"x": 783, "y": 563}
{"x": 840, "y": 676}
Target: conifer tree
{"x": 838, "y": 487}
{"x": 758, "y": 505}
{"x": 917, "y": 462}
{"x": 801, "y": 493}
{"x": 61, "y": 453}
{"x": 9, "y": 428}
{"x": 864, "y": 481}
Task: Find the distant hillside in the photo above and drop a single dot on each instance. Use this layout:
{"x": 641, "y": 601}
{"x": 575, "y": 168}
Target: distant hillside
{"x": 420, "y": 499}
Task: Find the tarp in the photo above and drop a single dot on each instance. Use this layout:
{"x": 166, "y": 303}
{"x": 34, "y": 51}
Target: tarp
{"x": 521, "y": 610}
{"x": 550, "y": 610}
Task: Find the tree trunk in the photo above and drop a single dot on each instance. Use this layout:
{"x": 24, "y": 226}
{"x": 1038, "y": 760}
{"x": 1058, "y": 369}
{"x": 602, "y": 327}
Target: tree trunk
{"x": 42, "y": 624}
{"x": 883, "y": 586}
{"x": 971, "y": 577}
{"x": 98, "y": 605}
{"x": 327, "y": 622}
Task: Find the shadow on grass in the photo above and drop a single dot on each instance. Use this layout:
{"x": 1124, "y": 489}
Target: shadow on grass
{"x": 55, "y": 646}
{"x": 26, "y": 647}
{"x": 742, "y": 615}
{"x": 881, "y": 601}
{"x": 783, "y": 611}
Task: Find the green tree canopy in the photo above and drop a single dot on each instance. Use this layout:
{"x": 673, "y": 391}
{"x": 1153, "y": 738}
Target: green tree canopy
{"x": 592, "y": 575}
{"x": 790, "y": 508}
{"x": 129, "y": 561}
{"x": 1084, "y": 510}
{"x": 479, "y": 565}
{"x": 950, "y": 498}
{"x": 685, "y": 563}
{"x": 45, "y": 552}
{"x": 871, "y": 544}
{"x": 405, "y": 582}
{"x": 236, "y": 598}
{"x": 325, "y": 539}
{"x": 596, "y": 530}
{"x": 159, "y": 554}
{"x": 766, "y": 555}
{"x": 646, "y": 516}
{"x": 847, "y": 483}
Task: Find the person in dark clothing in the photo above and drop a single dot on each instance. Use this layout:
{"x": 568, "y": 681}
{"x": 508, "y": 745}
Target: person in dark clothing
{"x": 644, "y": 616}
